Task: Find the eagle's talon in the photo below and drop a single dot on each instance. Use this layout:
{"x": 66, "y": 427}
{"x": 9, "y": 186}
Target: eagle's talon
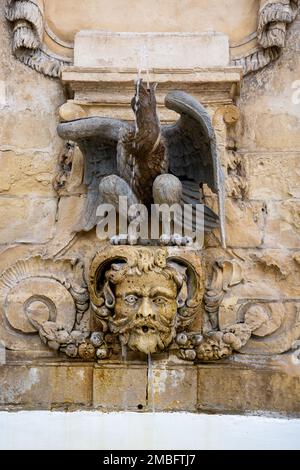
{"x": 189, "y": 241}
{"x": 176, "y": 239}
{"x": 124, "y": 239}
{"x": 132, "y": 240}
{"x": 119, "y": 239}
{"x": 164, "y": 239}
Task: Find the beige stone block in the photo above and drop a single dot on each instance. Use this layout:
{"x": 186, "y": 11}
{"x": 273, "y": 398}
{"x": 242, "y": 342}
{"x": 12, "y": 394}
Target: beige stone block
{"x": 283, "y": 225}
{"x": 268, "y": 274}
{"x": 244, "y": 223}
{"x": 26, "y": 220}
{"x": 173, "y": 389}
{"x": 72, "y": 385}
{"x": 45, "y": 386}
{"x": 150, "y": 50}
{"x": 277, "y": 131}
{"x": 273, "y": 175}
{"x": 31, "y": 173}
{"x": 239, "y": 389}
{"x": 26, "y": 130}
{"x": 69, "y": 211}
{"x": 270, "y": 112}
{"x": 120, "y": 388}
{"x": 30, "y": 117}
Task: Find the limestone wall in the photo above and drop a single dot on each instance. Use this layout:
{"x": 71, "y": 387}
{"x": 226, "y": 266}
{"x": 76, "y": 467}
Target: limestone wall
{"x": 263, "y": 235}
{"x": 29, "y": 148}
{"x": 263, "y": 225}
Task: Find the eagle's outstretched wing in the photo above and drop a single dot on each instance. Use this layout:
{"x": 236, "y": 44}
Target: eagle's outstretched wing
{"x": 192, "y": 151}
{"x": 97, "y": 138}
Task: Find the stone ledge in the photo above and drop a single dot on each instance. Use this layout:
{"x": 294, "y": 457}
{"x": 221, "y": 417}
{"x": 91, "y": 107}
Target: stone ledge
{"x": 108, "y": 91}
{"x": 243, "y": 384}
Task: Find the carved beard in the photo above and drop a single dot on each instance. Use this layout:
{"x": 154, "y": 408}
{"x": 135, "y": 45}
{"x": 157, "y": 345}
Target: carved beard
{"x": 148, "y": 343}
{"x": 157, "y": 337}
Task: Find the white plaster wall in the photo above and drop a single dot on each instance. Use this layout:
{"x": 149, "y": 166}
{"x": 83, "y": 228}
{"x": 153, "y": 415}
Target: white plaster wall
{"x": 94, "y": 430}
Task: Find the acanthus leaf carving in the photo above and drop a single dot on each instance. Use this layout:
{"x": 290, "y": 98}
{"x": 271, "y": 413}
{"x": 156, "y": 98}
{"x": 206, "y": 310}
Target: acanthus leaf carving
{"x": 27, "y": 18}
{"x": 216, "y": 343}
{"x": 273, "y": 19}
{"x": 226, "y": 273}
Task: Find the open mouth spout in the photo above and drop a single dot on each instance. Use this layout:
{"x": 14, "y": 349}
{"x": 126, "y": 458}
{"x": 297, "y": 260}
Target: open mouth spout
{"x": 145, "y": 329}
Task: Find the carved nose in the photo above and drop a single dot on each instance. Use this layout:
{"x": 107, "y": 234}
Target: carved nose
{"x": 145, "y": 310}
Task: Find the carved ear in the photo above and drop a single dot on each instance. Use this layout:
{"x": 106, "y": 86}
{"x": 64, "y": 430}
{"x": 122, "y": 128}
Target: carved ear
{"x": 108, "y": 296}
{"x": 182, "y": 295}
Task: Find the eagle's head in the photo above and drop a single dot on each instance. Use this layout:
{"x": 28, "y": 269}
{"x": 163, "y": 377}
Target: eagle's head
{"x": 144, "y": 101}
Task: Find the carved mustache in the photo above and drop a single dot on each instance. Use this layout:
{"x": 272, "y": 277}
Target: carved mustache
{"x": 123, "y": 325}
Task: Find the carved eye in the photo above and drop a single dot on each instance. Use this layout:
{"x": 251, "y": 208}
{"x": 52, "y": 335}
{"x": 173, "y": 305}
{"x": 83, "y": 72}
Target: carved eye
{"x": 131, "y": 299}
{"x": 160, "y": 301}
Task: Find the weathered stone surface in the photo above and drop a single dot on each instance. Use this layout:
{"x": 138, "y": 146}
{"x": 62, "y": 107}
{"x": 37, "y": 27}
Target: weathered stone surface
{"x": 270, "y": 131}
{"x": 46, "y": 386}
{"x": 120, "y": 388}
{"x": 70, "y": 209}
{"x": 26, "y": 130}
{"x": 269, "y": 110}
{"x": 240, "y": 386}
{"x": 29, "y": 148}
{"x": 283, "y": 225}
{"x": 246, "y": 223}
{"x": 26, "y": 220}
{"x": 175, "y": 388}
{"x": 269, "y": 274}
{"x": 30, "y": 173}
{"x": 243, "y": 389}
{"x": 272, "y": 175}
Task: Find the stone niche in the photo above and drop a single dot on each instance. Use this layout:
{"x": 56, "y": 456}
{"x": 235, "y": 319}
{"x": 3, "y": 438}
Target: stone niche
{"x": 73, "y": 318}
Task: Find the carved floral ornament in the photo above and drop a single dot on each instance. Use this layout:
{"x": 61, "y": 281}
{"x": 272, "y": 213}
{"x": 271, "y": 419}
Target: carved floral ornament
{"x": 43, "y": 39}
{"x": 146, "y": 299}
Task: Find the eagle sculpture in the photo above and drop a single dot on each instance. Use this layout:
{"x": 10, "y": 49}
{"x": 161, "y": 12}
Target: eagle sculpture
{"x": 148, "y": 162}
